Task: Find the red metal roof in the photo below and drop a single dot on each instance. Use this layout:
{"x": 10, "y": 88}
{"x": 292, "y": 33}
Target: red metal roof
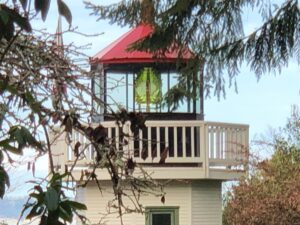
{"x": 117, "y": 53}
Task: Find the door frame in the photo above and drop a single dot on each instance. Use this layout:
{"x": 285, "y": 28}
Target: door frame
{"x": 173, "y": 210}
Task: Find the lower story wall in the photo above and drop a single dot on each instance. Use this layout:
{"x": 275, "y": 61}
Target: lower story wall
{"x": 196, "y": 202}
{"x": 207, "y": 202}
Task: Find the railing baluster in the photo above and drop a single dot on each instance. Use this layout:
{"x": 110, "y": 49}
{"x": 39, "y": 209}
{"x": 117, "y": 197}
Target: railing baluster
{"x": 158, "y": 141}
{"x": 140, "y": 143}
{"x": 125, "y": 146}
{"x": 239, "y": 144}
{"x": 69, "y": 153}
{"x": 244, "y": 146}
{"x": 235, "y": 144}
{"x": 149, "y": 141}
{"x": 117, "y": 138}
{"x": 175, "y": 142}
{"x": 82, "y": 144}
{"x": 221, "y": 146}
{"x": 212, "y": 141}
{"x": 183, "y": 142}
{"x": 229, "y": 144}
{"x": 130, "y": 140}
{"x": 167, "y": 138}
{"x": 76, "y": 138}
{"x": 203, "y": 136}
{"x": 246, "y": 154}
{"x": 109, "y": 135}
{"x": 91, "y": 152}
{"x": 218, "y": 149}
{"x": 193, "y": 152}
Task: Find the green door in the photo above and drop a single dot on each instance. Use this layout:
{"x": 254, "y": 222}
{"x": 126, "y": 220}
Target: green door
{"x": 162, "y": 219}
{"x": 162, "y": 216}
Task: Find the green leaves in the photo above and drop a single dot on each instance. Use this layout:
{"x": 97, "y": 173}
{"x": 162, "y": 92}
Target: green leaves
{"x": 18, "y": 138}
{"x": 1, "y": 157}
{"x": 64, "y": 10}
{"x": 35, "y": 211}
{"x": 4, "y": 179}
{"x": 8, "y": 18}
{"x": 51, "y": 205}
{"x": 5, "y": 144}
{"x": 174, "y": 97}
{"x": 65, "y": 212}
{"x": 43, "y": 7}
{"x": 24, "y": 4}
{"x": 51, "y": 199}
{"x": 22, "y": 137}
{"x": 75, "y": 205}
{"x": 34, "y": 105}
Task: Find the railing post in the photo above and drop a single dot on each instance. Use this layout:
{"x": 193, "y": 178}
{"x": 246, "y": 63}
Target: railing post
{"x": 130, "y": 140}
{"x": 125, "y": 131}
{"x": 204, "y": 148}
{"x": 59, "y": 148}
{"x": 149, "y": 143}
{"x": 246, "y": 155}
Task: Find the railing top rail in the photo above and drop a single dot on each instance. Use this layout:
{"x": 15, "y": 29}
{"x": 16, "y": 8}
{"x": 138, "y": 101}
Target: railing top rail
{"x": 182, "y": 123}
{"x": 174, "y": 123}
{"x": 211, "y": 123}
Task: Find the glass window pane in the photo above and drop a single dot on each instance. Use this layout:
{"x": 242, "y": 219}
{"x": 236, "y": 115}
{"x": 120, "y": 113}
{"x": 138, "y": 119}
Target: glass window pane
{"x": 116, "y": 91}
{"x": 130, "y": 92}
{"x": 97, "y": 92}
{"x": 161, "y": 219}
{"x": 183, "y": 106}
{"x": 164, "y": 89}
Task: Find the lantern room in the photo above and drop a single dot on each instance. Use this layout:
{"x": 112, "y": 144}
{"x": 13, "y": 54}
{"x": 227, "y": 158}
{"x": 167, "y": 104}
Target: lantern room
{"x": 139, "y": 81}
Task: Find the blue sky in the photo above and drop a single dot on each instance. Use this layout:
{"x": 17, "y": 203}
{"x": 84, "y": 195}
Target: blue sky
{"x": 261, "y": 104}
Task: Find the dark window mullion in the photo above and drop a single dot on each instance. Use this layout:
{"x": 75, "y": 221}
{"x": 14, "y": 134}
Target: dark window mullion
{"x": 133, "y": 82}
{"x": 105, "y": 91}
{"x": 168, "y": 88}
{"x": 188, "y": 97}
{"x": 127, "y": 92}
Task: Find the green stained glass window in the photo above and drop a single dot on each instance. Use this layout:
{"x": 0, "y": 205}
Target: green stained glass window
{"x": 148, "y": 87}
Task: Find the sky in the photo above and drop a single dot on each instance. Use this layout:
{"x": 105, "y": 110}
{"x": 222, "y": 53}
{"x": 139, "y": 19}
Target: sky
{"x": 261, "y": 104}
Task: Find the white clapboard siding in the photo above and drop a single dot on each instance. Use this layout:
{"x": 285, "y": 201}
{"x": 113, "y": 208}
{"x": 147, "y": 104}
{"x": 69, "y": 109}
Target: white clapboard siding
{"x": 206, "y": 203}
{"x": 80, "y": 197}
{"x": 59, "y": 151}
{"x": 178, "y": 194}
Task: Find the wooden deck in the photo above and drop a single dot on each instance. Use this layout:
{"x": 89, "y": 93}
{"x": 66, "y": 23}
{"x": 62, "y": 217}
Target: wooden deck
{"x": 213, "y": 150}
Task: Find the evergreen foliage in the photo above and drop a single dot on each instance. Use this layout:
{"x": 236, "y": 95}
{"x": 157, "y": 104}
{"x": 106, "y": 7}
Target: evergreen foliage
{"x": 213, "y": 30}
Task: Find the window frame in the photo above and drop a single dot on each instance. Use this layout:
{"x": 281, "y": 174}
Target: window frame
{"x": 173, "y": 210}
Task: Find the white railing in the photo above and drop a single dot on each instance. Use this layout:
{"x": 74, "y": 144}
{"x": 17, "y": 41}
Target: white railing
{"x": 207, "y": 144}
